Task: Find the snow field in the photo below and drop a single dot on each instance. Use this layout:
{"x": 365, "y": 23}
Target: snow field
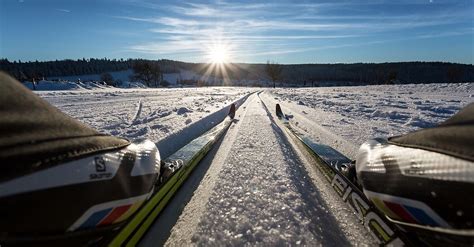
{"x": 356, "y": 114}
{"x": 156, "y": 114}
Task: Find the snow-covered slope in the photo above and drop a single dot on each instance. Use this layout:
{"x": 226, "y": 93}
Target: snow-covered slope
{"x": 44, "y": 85}
{"x": 124, "y": 76}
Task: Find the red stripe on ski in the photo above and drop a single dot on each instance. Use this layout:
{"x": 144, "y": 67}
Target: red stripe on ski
{"x": 400, "y": 211}
{"x": 115, "y": 214}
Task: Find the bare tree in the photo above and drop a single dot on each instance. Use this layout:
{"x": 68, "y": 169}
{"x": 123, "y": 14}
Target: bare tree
{"x": 148, "y": 72}
{"x": 107, "y": 78}
{"x": 273, "y": 71}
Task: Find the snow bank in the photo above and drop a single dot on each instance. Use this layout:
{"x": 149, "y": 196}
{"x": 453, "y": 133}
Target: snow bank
{"x": 52, "y": 85}
{"x": 181, "y": 137}
{"x": 128, "y": 84}
{"x": 87, "y": 85}
{"x": 123, "y": 75}
{"x": 171, "y": 117}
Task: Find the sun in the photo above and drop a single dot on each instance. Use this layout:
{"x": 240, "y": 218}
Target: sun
{"x": 219, "y": 67}
{"x": 218, "y": 54}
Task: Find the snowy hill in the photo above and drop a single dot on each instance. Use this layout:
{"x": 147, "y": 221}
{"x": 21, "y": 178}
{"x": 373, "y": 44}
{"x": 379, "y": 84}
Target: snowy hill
{"x": 123, "y": 75}
{"x": 44, "y": 85}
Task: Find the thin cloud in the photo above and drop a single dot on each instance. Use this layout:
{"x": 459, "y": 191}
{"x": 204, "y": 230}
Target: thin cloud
{"x": 445, "y": 34}
{"x": 64, "y": 10}
{"x": 285, "y": 27}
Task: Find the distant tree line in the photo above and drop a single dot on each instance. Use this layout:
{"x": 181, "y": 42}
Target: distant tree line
{"x": 381, "y": 73}
{"x": 38, "y": 70}
{"x": 353, "y": 74}
{"x": 150, "y": 71}
{"x": 274, "y": 72}
{"x": 43, "y": 69}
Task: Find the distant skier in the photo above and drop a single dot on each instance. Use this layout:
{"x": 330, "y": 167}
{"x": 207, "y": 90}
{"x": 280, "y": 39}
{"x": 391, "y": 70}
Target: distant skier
{"x": 424, "y": 181}
{"x": 62, "y": 182}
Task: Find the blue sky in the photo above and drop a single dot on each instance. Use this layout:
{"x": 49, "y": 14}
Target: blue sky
{"x": 250, "y": 31}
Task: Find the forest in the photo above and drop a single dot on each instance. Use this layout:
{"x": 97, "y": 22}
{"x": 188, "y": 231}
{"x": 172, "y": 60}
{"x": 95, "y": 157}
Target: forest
{"x": 297, "y": 74}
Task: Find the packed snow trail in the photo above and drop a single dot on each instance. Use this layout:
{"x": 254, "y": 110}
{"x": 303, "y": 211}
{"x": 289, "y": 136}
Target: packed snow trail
{"x": 263, "y": 195}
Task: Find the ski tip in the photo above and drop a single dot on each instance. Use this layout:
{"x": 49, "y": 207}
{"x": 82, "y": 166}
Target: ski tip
{"x": 232, "y": 111}
{"x": 279, "y": 113}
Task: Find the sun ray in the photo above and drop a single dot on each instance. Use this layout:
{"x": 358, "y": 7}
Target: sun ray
{"x": 210, "y": 69}
{"x": 225, "y": 75}
{"x": 218, "y": 54}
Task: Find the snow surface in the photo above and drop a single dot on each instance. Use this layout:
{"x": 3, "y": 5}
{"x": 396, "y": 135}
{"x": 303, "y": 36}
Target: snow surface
{"x": 44, "y": 85}
{"x": 124, "y": 76}
{"x": 169, "y": 117}
{"x": 263, "y": 195}
{"x": 348, "y": 116}
{"x": 256, "y": 189}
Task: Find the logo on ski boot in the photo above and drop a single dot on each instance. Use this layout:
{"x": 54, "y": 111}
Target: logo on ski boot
{"x": 100, "y": 168}
{"x": 100, "y": 164}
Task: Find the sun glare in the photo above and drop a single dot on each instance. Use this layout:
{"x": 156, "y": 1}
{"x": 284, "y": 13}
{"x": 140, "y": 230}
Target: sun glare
{"x": 219, "y": 55}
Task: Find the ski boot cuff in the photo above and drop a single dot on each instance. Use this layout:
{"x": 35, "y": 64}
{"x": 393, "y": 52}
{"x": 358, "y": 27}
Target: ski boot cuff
{"x": 34, "y": 135}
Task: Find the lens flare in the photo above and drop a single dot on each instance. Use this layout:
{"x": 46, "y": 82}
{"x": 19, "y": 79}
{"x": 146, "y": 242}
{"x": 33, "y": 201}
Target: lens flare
{"x": 218, "y": 54}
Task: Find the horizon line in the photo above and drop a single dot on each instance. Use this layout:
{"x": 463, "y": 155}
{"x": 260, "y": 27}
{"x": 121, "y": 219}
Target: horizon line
{"x": 247, "y": 63}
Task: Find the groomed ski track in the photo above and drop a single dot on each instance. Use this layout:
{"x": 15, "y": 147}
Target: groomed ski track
{"x": 255, "y": 188}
